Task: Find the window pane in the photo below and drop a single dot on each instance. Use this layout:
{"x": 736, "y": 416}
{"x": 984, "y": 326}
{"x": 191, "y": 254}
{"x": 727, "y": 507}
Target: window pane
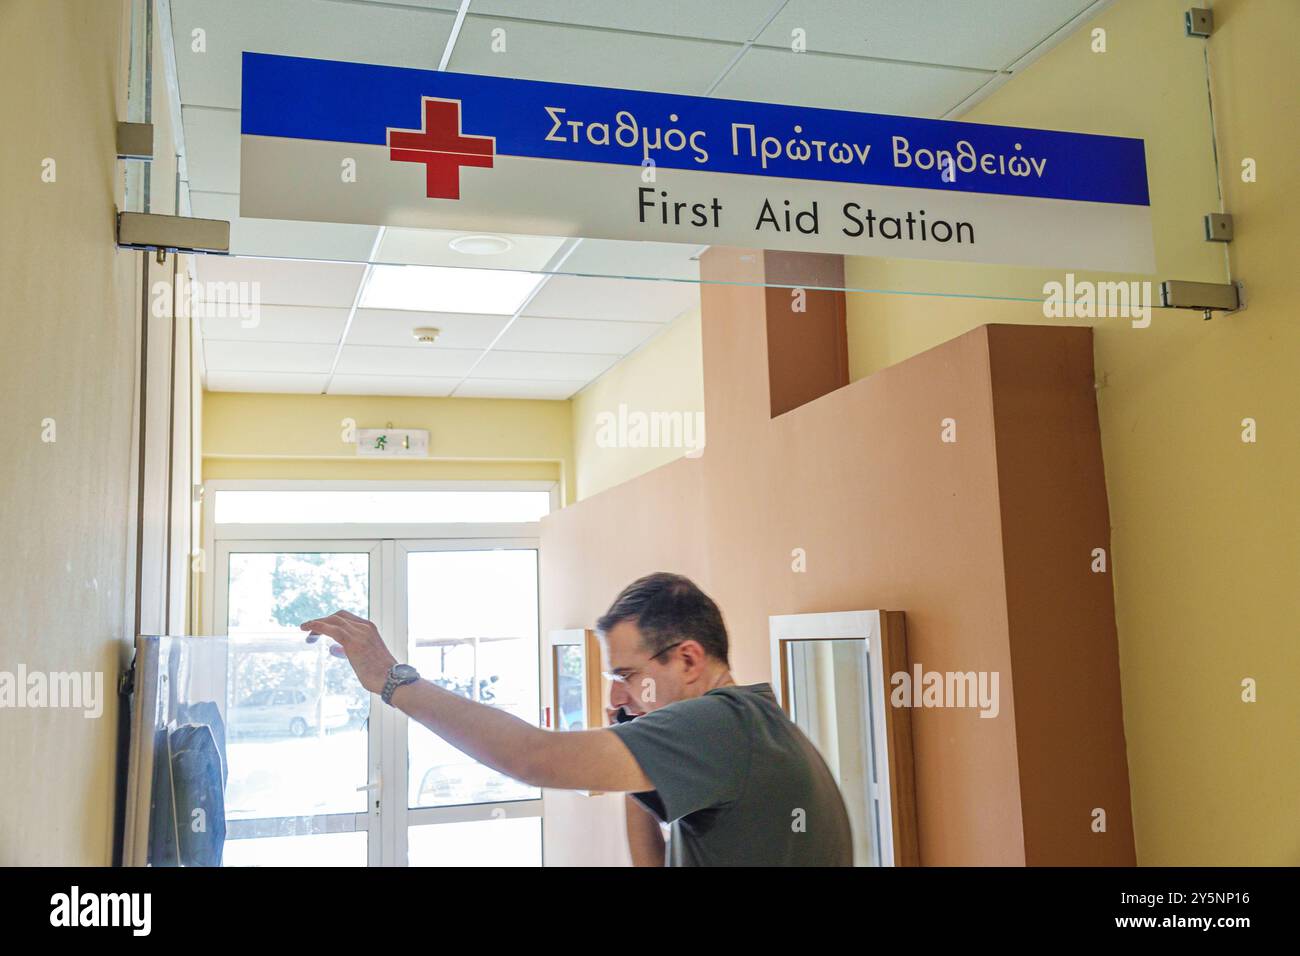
{"x": 511, "y": 841}
{"x": 473, "y": 630}
{"x": 296, "y": 714}
{"x": 392, "y": 507}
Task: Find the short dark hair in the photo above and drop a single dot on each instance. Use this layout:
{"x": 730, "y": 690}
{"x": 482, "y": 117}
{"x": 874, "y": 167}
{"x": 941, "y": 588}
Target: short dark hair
{"x": 667, "y": 609}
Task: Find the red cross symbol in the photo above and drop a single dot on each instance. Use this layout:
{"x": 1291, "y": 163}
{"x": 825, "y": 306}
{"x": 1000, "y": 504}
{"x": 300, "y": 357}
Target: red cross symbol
{"x": 441, "y": 147}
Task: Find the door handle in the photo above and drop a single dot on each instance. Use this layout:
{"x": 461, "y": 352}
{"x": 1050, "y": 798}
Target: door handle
{"x": 374, "y": 784}
{"x": 372, "y": 788}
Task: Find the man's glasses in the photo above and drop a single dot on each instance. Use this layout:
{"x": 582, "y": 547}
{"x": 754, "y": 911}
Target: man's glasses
{"x": 628, "y": 673}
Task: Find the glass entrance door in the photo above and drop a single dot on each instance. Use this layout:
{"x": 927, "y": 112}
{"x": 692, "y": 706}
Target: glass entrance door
{"x": 312, "y": 779}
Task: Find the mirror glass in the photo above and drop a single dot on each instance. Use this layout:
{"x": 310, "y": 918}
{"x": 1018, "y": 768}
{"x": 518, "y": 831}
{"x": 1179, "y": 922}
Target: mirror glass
{"x": 829, "y": 698}
{"x": 570, "y": 688}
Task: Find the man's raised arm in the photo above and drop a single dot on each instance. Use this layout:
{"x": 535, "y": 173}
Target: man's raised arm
{"x": 573, "y": 760}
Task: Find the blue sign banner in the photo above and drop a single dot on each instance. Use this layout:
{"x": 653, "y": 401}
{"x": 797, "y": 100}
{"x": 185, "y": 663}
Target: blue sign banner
{"x": 305, "y": 99}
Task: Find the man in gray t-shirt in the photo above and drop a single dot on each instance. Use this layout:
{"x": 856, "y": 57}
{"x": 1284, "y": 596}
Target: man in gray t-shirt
{"x": 740, "y": 783}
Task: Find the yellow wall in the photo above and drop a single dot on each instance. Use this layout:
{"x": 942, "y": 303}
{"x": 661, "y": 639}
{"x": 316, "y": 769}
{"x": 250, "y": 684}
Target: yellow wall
{"x": 300, "y": 437}
{"x": 1206, "y": 528}
{"x": 248, "y": 435}
{"x": 70, "y": 306}
{"x": 666, "y": 375}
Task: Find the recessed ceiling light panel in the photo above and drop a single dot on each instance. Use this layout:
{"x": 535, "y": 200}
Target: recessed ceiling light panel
{"x": 441, "y": 289}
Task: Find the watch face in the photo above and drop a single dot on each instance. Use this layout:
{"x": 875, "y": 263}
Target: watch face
{"x": 403, "y": 671}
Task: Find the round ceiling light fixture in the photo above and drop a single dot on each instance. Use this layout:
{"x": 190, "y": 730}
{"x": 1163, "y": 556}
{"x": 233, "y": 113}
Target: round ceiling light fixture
{"x": 426, "y": 335}
{"x": 481, "y": 245}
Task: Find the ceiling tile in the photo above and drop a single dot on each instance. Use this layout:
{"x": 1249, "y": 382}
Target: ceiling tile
{"x": 847, "y": 83}
{"x": 734, "y": 20}
{"x": 424, "y": 362}
{"x": 540, "y": 51}
{"x": 528, "y": 334}
{"x": 393, "y": 327}
{"x": 278, "y": 323}
{"x": 430, "y": 247}
{"x": 631, "y": 300}
{"x": 392, "y": 385}
{"x": 267, "y": 357}
{"x": 542, "y": 366}
{"x": 282, "y": 238}
{"x": 986, "y": 34}
{"x": 220, "y": 381}
{"x": 285, "y": 281}
{"x": 396, "y": 35}
{"x": 510, "y": 388}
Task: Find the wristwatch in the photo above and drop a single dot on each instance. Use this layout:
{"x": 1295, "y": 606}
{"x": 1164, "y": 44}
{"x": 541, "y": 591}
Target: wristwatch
{"x": 398, "y": 675}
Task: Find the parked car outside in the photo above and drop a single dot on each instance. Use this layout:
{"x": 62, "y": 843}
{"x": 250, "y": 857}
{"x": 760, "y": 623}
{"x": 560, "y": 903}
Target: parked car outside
{"x": 288, "y": 711}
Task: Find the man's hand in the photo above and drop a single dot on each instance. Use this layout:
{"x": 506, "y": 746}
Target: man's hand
{"x": 358, "y": 641}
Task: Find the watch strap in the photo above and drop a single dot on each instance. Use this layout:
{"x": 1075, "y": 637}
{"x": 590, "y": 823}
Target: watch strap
{"x": 394, "y": 681}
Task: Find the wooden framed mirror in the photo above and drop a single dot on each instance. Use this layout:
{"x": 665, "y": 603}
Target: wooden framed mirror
{"x": 574, "y": 662}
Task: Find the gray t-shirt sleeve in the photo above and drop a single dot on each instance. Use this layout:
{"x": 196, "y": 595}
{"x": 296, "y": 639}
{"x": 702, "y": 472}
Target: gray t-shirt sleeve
{"x": 696, "y": 752}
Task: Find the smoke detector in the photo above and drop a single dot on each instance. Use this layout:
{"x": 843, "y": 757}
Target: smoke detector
{"x": 426, "y": 335}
